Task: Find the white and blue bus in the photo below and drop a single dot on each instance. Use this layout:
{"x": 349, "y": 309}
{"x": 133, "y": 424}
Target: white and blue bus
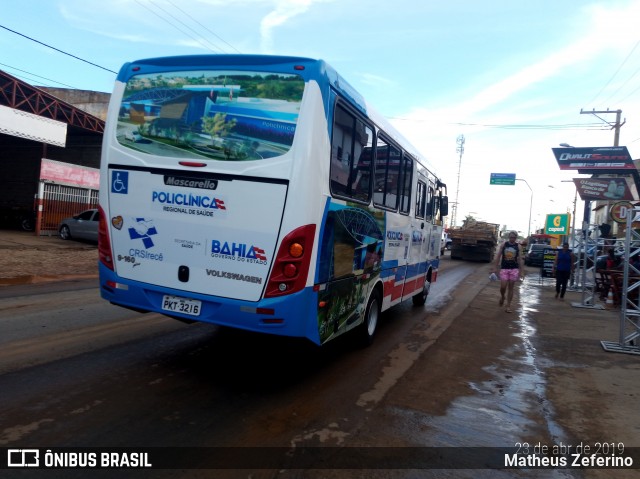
{"x": 262, "y": 193}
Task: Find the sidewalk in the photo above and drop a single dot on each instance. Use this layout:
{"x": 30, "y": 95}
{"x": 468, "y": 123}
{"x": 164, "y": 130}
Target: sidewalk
{"x": 16, "y": 239}
{"x": 594, "y": 393}
{"x": 27, "y": 258}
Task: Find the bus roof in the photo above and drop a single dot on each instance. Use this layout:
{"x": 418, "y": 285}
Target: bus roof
{"x": 307, "y": 68}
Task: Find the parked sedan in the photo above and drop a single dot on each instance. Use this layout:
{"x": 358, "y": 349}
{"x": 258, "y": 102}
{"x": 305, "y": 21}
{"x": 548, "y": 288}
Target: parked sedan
{"x": 534, "y": 256}
{"x": 81, "y": 226}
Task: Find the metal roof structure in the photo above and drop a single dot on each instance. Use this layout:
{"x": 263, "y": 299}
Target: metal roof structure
{"x": 15, "y": 93}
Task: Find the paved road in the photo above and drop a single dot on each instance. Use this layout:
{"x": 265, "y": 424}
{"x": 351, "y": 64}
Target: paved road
{"x": 459, "y": 373}
{"x": 84, "y": 373}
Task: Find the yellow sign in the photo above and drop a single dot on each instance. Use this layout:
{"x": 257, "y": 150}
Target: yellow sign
{"x": 620, "y": 211}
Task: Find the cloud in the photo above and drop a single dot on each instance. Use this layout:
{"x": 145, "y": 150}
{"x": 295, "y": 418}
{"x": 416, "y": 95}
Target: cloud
{"x": 284, "y": 10}
{"x": 592, "y": 38}
{"x": 375, "y": 80}
{"x": 595, "y": 37}
{"x": 81, "y": 15}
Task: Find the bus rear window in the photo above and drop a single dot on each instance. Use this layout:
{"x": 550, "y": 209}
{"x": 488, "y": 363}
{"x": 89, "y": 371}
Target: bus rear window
{"x": 220, "y": 115}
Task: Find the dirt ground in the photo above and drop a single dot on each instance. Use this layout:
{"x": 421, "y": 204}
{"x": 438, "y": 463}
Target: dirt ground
{"x": 593, "y": 395}
{"x": 20, "y": 263}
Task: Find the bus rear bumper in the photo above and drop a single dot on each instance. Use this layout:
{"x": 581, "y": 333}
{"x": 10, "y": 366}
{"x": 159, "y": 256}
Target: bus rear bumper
{"x": 293, "y": 315}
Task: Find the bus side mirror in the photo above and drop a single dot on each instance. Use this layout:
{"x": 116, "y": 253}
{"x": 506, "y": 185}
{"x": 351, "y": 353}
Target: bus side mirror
{"x": 444, "y": 206}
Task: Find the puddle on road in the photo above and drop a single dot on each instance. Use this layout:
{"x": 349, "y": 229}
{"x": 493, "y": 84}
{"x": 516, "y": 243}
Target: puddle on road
{"x": 512, "y": 406}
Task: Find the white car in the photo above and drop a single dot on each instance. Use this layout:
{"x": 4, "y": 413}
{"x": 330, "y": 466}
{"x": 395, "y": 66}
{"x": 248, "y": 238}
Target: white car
{"x": 133, "y": 136}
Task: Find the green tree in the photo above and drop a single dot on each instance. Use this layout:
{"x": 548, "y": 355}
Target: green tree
{"x": 217, "y": 126}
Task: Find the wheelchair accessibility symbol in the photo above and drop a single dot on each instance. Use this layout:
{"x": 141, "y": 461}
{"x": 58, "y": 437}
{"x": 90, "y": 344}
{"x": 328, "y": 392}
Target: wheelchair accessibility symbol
{"x": 120, "y": 182}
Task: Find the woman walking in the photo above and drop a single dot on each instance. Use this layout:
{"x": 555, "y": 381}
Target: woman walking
{"x": 509, "y": 262}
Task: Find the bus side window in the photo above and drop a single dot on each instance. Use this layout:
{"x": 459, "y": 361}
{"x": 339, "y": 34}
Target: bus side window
{"x": 382, "y": 152}
{"x": 430, "y": 204}
{"x": 421, "y": 199}
{"x": 361, "y": 174}
{"x": 436, "y": 207}
{"x": 407, "y": 180}
{"x": 351, "y": 156}
{"x": 387, "y": 174}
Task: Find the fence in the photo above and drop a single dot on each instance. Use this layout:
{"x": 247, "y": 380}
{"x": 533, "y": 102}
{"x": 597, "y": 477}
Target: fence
{"x": 60, "y": 201}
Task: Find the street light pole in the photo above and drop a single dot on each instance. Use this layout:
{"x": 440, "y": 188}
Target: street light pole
{"x": 530, "y": 205}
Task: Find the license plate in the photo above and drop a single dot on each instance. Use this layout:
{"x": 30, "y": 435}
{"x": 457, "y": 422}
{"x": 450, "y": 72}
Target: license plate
{"x": 176, "y": 304}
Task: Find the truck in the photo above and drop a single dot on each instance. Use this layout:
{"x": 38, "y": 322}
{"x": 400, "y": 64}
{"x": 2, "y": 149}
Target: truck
{"x": 474, "y": 240}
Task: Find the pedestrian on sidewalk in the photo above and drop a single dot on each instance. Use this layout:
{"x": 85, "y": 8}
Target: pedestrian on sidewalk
{"x": 509, "y": 263}
{"x": 563, "y": 266}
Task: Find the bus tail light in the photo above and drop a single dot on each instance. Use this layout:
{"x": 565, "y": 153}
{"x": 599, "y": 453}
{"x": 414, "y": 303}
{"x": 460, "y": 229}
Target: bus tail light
{"x": 290, "y": 270}
{"x": 104, "y": 242}
{"x": 291, "y": 265}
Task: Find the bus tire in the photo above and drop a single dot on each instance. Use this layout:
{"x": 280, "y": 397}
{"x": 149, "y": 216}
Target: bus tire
{"x": 420, "y": 299}
{"x": 368, "y": 328}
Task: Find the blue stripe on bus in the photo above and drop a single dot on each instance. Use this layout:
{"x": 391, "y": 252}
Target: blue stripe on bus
{"x": 299, "y": 311}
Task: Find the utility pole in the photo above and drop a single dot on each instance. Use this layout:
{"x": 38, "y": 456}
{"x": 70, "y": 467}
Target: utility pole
{"x": 616, "y": 142}
{"x": 614, "y": 126}
{"x": 460, "y": 151}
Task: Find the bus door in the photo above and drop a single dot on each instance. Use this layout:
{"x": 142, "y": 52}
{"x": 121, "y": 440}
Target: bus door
{"x": 396, "y": 253}
{"x": 419, "y": 241}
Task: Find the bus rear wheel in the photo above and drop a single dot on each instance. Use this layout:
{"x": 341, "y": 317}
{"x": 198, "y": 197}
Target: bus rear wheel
{"x": 372, "y": 314}
{"x": 420, "y": 299}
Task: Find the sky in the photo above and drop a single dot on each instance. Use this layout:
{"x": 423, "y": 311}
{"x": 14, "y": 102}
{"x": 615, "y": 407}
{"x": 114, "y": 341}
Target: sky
{"x": 514, "y": 79}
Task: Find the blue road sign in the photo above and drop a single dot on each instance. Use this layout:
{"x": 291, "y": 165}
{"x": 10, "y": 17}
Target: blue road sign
{"x": 502, "y": 179}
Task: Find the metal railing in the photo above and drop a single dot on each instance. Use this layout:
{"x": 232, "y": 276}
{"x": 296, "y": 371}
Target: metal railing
{"x": 61, "y": 201}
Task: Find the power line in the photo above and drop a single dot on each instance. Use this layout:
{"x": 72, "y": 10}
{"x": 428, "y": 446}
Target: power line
{"x": 212, "y": 47}
{"x": 568, "y": 126}
{"x": 616, "y": 72}
{"x": 614, "y": 126}
{"x": 176, "y": 27}
{"x": 58, "y": 50}
{"x": 561, "y": 126}
{"x": 629, "y": 94}
{"x": 203, "y": 26}
{"x": 34, "y": 75}
{"x": 622, "y": 86}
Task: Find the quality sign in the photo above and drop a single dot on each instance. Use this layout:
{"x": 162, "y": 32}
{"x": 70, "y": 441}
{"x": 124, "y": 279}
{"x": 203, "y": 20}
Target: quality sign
{"x": 557, "y": 225}
{"x": 608, "y": 159}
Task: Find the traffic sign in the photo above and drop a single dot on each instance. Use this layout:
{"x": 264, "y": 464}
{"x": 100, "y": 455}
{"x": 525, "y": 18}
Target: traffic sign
{"x": 502, "y": 179}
